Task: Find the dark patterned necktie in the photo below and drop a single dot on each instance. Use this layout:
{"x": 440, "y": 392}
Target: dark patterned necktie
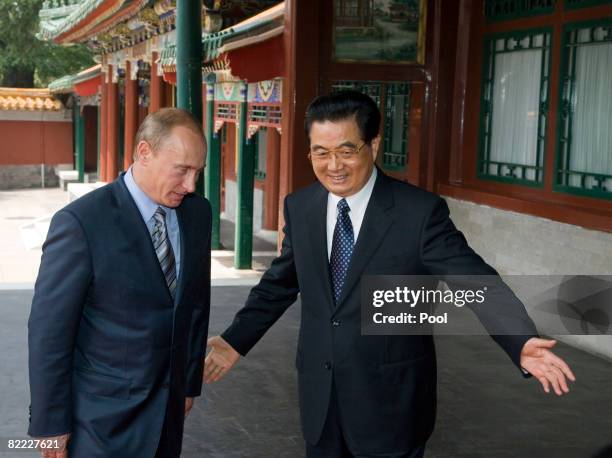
{"x": 342, "y": 248}
{"x": 163, "y": 249}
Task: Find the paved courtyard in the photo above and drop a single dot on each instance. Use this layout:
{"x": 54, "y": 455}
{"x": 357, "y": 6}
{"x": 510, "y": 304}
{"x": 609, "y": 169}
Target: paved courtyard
{"x": 486, "y": 409}
{"x": 24, "y": 221}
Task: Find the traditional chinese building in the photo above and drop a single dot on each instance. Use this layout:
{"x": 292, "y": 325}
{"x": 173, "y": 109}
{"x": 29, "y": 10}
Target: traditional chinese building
{"x": 501, "y": 106}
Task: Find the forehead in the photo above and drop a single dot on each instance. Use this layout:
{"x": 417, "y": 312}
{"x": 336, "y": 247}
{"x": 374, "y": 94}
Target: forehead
{"x": 339, "y": 131}
{"x": 184, "y": 145}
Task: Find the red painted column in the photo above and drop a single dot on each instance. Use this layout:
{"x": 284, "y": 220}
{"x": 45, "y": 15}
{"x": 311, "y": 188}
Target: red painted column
{"x": 112, "y": 168}
{"x": 131, "y": 116}
{"x": 103, "y": 126}
{"x": 156, "y": 89}
{"x": 272, "y": 179}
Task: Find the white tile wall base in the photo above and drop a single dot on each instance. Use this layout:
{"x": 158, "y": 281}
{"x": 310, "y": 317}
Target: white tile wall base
{"x": 230, "y": 205}
{"x": 519, "y": 244}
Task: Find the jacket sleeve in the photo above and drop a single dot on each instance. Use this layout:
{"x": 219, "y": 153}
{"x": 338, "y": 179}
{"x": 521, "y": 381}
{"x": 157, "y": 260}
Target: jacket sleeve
{"x": 59, "y": 294}
{"x": 268, "y": 300}
{"x": 198, "y": 333}
{"x": 445, "y": 252}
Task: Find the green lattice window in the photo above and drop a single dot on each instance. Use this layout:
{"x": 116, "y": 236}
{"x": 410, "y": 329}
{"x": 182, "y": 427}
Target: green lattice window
{"x": 514, "y": 105}
{"x": 500, "y": 10}
{"x": 575, "y": 4}
{"x": 260, "y": 141}
{"x": 371, "y": 88}
{"x": 397, "y": 118}
{"x": 584, "y": 145}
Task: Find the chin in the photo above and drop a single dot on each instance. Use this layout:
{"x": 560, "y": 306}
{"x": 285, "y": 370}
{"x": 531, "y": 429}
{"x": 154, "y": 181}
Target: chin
{"x": 173, "y": 203}
{"x": 342, "y": 190}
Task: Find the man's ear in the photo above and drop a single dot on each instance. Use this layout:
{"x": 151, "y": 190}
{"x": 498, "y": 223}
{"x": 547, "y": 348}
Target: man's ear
{"x": 374, "y": 145}
{"x": 143, "y": 153}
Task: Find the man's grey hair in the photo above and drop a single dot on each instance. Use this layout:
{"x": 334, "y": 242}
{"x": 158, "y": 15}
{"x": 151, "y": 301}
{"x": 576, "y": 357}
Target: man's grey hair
{"x": 157, "y": 126}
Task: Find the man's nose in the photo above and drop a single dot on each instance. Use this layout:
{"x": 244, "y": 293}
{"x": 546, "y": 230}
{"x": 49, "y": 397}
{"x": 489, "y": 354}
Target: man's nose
{"x": 333, "y": 163}
{"x": 190, "y": 182}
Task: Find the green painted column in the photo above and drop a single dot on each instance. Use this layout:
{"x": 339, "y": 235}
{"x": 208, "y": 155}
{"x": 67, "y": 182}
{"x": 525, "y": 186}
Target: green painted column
{"x": 79, "y": 128}
{"x": 213, "y": 167}
{"x": 189, "y": 61}
{"x": 244, "y": 190}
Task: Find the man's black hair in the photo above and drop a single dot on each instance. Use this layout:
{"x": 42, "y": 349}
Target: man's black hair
{"x": 342, "y": 105}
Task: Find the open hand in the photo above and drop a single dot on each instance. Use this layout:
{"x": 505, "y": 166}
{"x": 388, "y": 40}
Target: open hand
{"x": 220, "y": 360}
{"x": 544, "y": 365}
{"x": 62, "y": 446}
{"x": 188, "y": 405}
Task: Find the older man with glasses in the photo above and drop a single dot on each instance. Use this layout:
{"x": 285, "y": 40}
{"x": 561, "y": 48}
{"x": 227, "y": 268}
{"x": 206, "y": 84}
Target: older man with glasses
{"x": 363, "y": 395}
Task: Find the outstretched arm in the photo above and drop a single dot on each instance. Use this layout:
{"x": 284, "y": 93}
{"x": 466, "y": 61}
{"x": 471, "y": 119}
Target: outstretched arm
{"x": 445, "y": 252}
{"x": 267, "y": 301}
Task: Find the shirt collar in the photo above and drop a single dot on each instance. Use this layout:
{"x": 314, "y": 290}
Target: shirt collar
{"x": 361, "y": 197}
{"x": 145, "y": 204}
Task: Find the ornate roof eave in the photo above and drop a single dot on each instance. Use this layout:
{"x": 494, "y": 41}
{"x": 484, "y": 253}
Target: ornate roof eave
{"x": 261, "y": 27}
{"x": 86, "y": 19}
{"x": 62, "y": 85}
{"x": 87, "y": 74}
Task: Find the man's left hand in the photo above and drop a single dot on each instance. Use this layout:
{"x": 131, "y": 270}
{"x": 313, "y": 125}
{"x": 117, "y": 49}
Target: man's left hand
{"x": 544, "y": 365}
{"x": 188, "y": 405}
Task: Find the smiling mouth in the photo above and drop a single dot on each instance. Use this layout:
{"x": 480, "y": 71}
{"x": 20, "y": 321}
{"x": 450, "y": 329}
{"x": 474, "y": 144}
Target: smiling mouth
{"x": 338, "y": 178}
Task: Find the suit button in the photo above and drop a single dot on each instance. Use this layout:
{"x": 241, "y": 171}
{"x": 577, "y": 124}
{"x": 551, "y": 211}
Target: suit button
{"x": 335, "y": 323}
{"x": 327, "y": 365}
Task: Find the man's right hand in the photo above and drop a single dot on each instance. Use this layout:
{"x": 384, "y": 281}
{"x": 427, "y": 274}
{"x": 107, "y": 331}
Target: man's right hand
{"x": 62, "y": 446}
{"x": 220, "y": 360}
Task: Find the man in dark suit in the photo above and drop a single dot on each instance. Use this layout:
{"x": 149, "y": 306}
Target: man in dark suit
{"x": 363, "y": 395}
{"x": 119, "y": 318}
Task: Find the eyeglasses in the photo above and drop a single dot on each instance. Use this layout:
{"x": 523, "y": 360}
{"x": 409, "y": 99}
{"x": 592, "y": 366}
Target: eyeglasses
{"x": 344, "y": 153}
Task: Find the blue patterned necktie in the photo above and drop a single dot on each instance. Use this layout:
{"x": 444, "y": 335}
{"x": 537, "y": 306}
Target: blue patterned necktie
{"x": 342, "y": 248}
{"x": 163, "y": 249}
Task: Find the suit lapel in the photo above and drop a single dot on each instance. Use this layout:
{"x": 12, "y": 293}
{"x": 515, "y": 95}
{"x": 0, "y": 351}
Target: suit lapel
{"x": 129, "y": 221}
{"x": 181, "y": 213}
{"x": 376, "y": 223}
{"x": 317, "y": 233}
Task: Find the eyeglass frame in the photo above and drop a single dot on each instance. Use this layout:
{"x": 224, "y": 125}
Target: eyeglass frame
{"x": 336, "y": 153}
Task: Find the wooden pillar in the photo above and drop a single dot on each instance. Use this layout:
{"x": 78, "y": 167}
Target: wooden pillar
{"x": 79, "y": 126}
{"x": 103, "y": 122}
{"x": 156, "y": 89}
{"x": 245, "y": 177}
{"x": 168, "y": 95}
{"x": 300, "y": 86}
{"x": 112, "y": 167}
{"x": 189, "y": 63}
{"x": 131, "y": 115}
{"x": 272, "y": 164}
{"x": 212, "y": 179}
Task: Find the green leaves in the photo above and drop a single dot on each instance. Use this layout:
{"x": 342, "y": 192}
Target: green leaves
{"x": 24, "y": 59}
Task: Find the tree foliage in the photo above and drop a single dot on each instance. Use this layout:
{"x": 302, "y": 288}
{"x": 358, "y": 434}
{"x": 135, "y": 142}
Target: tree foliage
{"x": 26, "y": 61}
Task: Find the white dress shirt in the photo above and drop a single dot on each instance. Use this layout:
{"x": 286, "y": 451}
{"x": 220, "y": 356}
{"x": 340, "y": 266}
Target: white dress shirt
{"x": 357, "y": 203}
{"x": 147, "y": 208}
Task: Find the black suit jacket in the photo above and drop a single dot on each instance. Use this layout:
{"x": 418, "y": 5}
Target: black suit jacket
{"x": 109, "y": 351}
{"x": 386, "y": 385}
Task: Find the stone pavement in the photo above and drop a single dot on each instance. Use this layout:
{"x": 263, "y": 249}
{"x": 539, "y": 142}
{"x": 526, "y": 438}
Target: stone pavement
{"x": 24, "y": 221}
{"x": 485, "y": 409}
{"x": 18, "y": 264}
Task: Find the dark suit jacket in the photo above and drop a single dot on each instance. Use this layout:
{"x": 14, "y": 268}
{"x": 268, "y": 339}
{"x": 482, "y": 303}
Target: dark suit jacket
{"x": 386, "y": 385}
{"x": 109, "y": 351}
